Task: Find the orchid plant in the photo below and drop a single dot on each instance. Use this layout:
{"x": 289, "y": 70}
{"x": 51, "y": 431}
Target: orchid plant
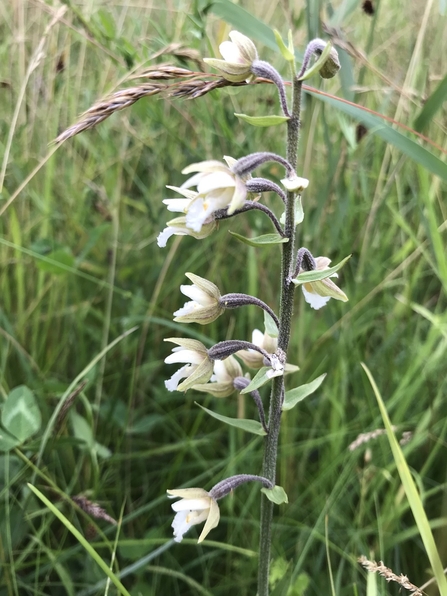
{"x": 216, "y": 191}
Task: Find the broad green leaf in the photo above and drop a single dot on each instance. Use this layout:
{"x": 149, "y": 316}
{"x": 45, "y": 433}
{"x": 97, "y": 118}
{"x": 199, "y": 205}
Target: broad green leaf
{"x": 317, "y": 66}
{"x": 21, "y": 415}
{"x": 276, "y": 495}
{"x": 263, "y": 121}
{"x": 57, "y": 262}
{"x": 432, "y": 105}
{"x": 411, "y": 492}
{"x": 392, "y": 136}
{"x": 258, "y": 380}
{"x": 309, "y": 276}
{"x": 251, "y": 426}
{"x": 286, "y": 52}
{"x": 7, "y": 441}
{"x": 264, "y": 240}
{"x": 270, "y": 325}
{"x": 294, "y": 396}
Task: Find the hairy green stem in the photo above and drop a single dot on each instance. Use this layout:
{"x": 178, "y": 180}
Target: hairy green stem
{"x": 285, "y": 325}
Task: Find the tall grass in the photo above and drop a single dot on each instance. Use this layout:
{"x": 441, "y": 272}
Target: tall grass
{"x": 94, "y": 206}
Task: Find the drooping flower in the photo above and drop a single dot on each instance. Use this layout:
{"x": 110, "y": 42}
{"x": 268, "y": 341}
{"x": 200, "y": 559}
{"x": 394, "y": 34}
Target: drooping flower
{"x": 198, "y": 368}
{"x": 238, "y": 57}
{"x": 204, "y": 306}
{"x": 318, "y": 293}
{"x": 217, "y": 188}
{"x": 254, "y": 359}
{"x": 222, "y": 381}
{"x": 196, "y": 506}
{"x": 178, "y": 227}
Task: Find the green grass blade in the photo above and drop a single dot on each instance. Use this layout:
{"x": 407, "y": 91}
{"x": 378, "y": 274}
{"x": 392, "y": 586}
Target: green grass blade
{"x": 411, "y": 491}
{"x": 431, "y": 106}
{"x": 380, "y": 128}
{"x": 88, "y": 547}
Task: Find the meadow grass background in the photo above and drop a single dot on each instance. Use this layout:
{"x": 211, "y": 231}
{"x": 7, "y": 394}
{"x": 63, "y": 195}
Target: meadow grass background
{"x": 94, "y": 204}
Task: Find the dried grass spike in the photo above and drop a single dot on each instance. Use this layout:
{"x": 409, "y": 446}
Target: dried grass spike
{"x": 93, "y": 509}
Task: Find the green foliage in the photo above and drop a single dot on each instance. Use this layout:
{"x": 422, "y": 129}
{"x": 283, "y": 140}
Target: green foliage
{"x": 97, "y": 200}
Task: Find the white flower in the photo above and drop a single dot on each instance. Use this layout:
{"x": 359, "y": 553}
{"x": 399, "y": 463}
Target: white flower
{"x": 178, "y": 227}
{"x": 196, "y": 506}
{"x": 217, "y": 188}
{"x": 204, "y": 306}
{"x": 222, "y": 381}
{"x": 254, "y": 359}
{"x": 198, "y": 367}
{"x": 295, "y": 183}
{"x": 238, "y": 57}
{"x": 318, "y": 293}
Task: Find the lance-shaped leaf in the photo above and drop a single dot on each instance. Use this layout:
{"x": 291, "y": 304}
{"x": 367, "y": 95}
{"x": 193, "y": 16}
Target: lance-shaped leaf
{"x": 261, "y": 378}
{"x": 310, "y": 276}
{"x": 294, "y": 396}
{"x": 264, "y": 240}
{"x": 287, "y": 52}
{"x": 251, "y": 426}
{"x": 263, "y": 121}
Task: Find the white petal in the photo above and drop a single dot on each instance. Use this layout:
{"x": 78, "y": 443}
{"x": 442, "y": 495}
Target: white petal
{"x": 184, "y": 355}
{"x": 191, "y": 504}
{"x": 257, "y": 338}
{"x": 215, "y": 180}
{"x": 177, "y": 205}
{"x": 230, "y": 52}
{"x": 172, "y": 383}
{"x": 180, "y": 525}
{"x": 315, "y": 300}
{"x": 220, "y": 372}
{"x": 164, "y": 236}
{"x": 186, "y": 309}
{"x": 198, "y": 295}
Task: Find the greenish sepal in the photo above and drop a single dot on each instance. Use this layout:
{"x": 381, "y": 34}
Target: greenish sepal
{"x": 294, "y": 396}
{"x": 251, "y": 426}
{"x": 263, "y": 120}
{"x": 318, "y": 65}
{"x": 310, "y": 276}
{"x": 270, "y": 325}
{"x": 261, "y": 378}
{"x": 287, "y": 52}
{"x": 276, "y": 495}
{"x": 264, "y": 240}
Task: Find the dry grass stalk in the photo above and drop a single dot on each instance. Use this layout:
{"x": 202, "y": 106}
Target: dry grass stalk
{"x": 93, "y": 509}
{"x": 365, "y": 437}
{"x": 68, "y": 403}
{"x": 389, "y": 575}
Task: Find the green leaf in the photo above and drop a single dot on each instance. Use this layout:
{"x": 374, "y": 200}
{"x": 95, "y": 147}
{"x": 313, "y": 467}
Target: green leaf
{"x": 299, "y": 213}
{"x": 245, "y": 23}
{"x": 294, "y": 396}
{"x": 251, "y": 426}
{"x": 57, "y": 262}
{"x": 318, "y": 65}
{"x": 381, "y": 128}
{"x": 411, "y": 492}
{"x": 264, "y": 240}
{"x": 431, "y": 106}
{"x": 276, "y": 495}
{"x": 259, "y": 380}
{"x": 286, "y": 52}
{"x": 309, "y": 276}
{"x": 7, "y": 441}
{"x": 21, "y": 415}
{"x": 270, "y": 325}
{"x": 263, "y": 121}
